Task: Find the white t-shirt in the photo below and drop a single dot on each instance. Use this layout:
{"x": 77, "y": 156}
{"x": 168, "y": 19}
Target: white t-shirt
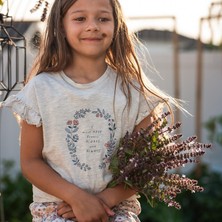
{"x": 81, "y": 129}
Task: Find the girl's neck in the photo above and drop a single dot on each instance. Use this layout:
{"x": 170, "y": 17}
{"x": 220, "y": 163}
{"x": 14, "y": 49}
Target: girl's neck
{"x": 85, "y": 71}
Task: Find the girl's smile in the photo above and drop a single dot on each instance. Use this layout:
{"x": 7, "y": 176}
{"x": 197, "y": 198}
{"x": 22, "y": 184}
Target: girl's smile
{"x": 92, "y": 39}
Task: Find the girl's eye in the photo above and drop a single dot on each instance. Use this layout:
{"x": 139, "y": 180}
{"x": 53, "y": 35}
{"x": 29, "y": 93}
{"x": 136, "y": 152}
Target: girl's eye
{"x": 103, "y": 19}
{"x": 80, "y": 19}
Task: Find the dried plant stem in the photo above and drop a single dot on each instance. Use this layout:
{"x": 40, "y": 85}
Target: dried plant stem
{"x": 37, "y": 6}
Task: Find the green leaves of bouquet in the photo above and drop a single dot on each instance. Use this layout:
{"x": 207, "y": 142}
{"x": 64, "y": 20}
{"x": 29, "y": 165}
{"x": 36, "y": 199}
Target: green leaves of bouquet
{"x": 144, "y": 161}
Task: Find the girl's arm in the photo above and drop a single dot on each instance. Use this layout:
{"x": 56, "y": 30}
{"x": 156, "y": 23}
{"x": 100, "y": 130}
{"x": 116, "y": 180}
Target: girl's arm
{"x": 39, "y": 173}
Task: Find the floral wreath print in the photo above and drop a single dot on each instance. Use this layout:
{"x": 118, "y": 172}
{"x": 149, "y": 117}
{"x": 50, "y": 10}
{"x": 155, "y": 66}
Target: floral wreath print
{"x": 72, "y": 137}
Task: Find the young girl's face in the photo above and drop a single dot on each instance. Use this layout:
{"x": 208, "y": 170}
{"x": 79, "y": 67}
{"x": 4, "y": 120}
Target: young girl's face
{"x": 89, "y": 27}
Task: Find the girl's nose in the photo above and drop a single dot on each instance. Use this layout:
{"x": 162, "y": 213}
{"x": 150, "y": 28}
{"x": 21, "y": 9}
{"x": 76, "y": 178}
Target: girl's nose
{"x": 92, "y": 26}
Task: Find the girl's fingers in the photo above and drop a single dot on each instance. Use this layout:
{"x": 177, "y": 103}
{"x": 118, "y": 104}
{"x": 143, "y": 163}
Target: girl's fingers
{"x": 64, "y": 210}
{"x": 108, "y": 210}
{"x": 62, "y": 205}
{"x": 68, "y": 215}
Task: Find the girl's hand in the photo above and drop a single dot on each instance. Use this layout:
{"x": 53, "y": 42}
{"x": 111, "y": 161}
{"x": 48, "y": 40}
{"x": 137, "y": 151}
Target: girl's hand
{"x": 64, "y": 210}
{"x": 86, "y": 207}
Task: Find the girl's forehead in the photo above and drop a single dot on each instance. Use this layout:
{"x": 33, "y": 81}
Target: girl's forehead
{"x": 104, "y": 5}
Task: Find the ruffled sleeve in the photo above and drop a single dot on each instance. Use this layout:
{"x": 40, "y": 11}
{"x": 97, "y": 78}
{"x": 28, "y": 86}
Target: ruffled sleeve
{"x": 24, "y": 105}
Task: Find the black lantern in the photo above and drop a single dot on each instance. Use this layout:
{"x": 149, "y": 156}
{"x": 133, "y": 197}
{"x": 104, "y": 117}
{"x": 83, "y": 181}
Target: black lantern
{"x": 12, "y": 57}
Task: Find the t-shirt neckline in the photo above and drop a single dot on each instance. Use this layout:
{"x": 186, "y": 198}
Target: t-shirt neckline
{"x": 86, "y": 85}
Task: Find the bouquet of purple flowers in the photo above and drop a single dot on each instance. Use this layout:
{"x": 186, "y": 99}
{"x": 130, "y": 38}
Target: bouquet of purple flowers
{"x": 144, "y": 159}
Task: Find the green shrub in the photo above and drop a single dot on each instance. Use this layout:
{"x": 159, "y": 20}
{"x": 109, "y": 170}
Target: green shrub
{"x": 214, "y": 128}
{"x": 16, "y": 193}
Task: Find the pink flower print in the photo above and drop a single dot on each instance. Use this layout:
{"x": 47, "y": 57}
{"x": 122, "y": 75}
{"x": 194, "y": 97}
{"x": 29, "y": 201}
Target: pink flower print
{"x": 108, "y": 144}
{"x": 50, "y": 209}
{"x": 75, "y": 122}
{"x": 69, "y": 122}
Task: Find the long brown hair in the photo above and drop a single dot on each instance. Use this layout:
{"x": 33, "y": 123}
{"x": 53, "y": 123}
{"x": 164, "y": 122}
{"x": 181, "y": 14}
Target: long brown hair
{"x": 55, "y": 53}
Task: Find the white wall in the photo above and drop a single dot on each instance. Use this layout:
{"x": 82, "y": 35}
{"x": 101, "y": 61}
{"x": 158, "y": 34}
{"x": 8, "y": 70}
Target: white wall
{"x": 9, "y": 141}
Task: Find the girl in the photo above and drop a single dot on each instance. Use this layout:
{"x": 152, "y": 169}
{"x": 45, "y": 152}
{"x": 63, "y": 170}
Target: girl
{"x": 86, "y": 90}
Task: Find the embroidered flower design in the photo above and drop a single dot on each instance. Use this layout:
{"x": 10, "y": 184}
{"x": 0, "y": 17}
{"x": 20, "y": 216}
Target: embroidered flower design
{"x": 72, "y": 138}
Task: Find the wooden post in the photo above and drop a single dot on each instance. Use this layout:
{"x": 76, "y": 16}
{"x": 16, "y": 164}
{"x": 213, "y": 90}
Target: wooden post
{"x": 199, "y": 79}
{"x": 176, "y": 67}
